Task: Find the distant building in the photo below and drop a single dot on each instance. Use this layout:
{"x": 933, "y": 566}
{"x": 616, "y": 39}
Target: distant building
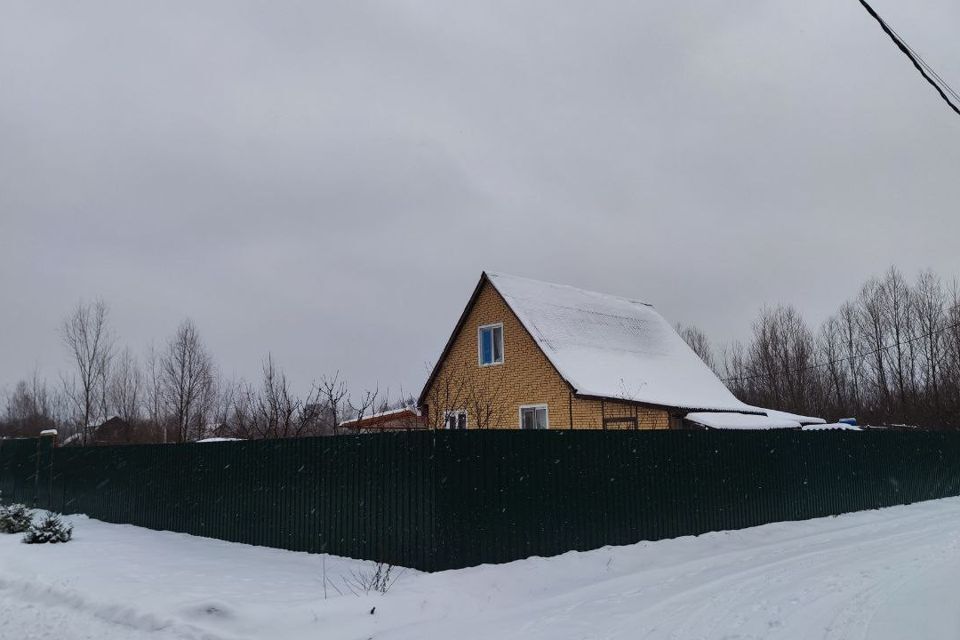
{"x": 113, "y": 430}
{"x": 403, "y": 419}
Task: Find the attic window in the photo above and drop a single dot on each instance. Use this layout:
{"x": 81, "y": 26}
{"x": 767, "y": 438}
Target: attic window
{"x": 490, "y": 344}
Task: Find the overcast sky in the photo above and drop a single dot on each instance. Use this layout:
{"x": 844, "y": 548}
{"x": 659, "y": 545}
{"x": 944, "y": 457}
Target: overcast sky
{"x": 327, "y": 180}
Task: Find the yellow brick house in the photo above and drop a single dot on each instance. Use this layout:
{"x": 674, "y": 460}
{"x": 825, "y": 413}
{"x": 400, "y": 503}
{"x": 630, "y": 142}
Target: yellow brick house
{"x": 534, "y": 355}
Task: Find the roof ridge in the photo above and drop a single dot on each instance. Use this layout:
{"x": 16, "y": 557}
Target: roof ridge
{"x": 494, "y": 274}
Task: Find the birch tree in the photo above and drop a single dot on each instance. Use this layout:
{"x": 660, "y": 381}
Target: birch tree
{"x": 90, "y": 343}
{"x": 187, "y": 380}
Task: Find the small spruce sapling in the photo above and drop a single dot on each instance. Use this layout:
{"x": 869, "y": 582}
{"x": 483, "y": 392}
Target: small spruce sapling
{"x": 51, "y": 530}
{"x": 15, "y": 518}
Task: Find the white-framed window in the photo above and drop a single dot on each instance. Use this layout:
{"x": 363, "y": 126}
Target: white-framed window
{"x": 456, "y": 419}
{"x": 534, "y": 416}
{"x": 490, "y": 344}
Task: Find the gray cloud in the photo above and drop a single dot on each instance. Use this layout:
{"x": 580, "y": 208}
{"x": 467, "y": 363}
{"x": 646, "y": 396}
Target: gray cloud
{"x": 326, "y": 181}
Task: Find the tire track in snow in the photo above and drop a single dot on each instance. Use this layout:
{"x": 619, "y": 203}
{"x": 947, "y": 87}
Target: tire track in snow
{"x": 121, "y": 618}
{"x": 739, "y": 603}
{"x": 827, "y": 581}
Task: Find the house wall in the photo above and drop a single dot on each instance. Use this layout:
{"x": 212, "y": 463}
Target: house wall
{"x": 492, "y": 395}
{"x": 590, "y": 413}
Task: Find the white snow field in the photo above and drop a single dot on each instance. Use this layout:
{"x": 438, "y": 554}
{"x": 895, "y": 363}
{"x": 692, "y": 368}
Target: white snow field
{"x": 889, "y": 574}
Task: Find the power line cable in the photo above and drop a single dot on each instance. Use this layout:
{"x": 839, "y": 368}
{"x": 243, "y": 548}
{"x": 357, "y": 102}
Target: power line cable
{"x": 926, "y": 66}
{"x": 909, "y": 53}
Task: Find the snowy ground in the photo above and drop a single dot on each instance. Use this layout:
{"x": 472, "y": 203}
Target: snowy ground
{"x": 883, "y": 574}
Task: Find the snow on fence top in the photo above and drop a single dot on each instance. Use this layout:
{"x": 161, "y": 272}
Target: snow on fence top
{"x": 613, "y": 347}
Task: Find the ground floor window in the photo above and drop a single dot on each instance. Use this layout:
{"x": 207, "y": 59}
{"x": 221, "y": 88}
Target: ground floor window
{"x": 455, "y": 419}
{"x": 534, "y": 417}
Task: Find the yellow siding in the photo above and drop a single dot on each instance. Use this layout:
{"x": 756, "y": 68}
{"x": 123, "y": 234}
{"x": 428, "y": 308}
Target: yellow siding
{"x": 492, "y": 395}
{"x": 589, "y": 414}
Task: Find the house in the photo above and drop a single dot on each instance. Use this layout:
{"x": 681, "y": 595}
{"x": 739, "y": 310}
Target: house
{"x": 534, "y": 355}
{"x": 113, "y": 430}
{"x": 402, "y": 419}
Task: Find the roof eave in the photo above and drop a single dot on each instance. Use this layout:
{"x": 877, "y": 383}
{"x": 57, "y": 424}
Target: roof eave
{"x": 453, "y": 334}
{"x": 655, "y": 405}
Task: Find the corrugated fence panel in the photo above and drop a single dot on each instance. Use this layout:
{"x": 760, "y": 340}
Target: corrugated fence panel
{"x": 447, "y": 499}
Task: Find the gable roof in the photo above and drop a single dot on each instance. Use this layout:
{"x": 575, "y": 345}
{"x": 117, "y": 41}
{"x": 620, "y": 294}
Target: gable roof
{"x": 613, "y": 347}
{"x": 606, "y": 346}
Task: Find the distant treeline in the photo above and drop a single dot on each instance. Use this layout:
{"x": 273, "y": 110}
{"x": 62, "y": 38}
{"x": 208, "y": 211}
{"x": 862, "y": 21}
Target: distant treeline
{"x": 174, "y": 393}
{"x": 891, "y": 355}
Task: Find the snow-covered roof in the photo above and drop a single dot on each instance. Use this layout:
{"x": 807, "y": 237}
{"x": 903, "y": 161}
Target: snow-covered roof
{"x": 741, "y": 421}
{"x": 833, "y": 426}
{"x": 100, "y": 421}
{"x": 205, "y": 440}
{"x": 803, "y": 420}
{"x": 613, "y": 347}
{"x": 413, "y": 411}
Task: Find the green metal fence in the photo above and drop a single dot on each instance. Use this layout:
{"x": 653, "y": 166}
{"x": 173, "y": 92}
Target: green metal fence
{"x": 449, "y": 499}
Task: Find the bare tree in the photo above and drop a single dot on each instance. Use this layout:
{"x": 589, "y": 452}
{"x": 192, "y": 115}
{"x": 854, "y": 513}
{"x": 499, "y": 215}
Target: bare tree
{"x": 272, "y": 410}
{"x": 734, "y": 367}
{"x": 225, "y": 401}
{"x": 154, "y": 389}
{"x": 898, "y": 307}
{"x": 276, "y": 411}
{"x": 126, "y": 387}
{"x": 187, "y": 379}
{"x": 366, "y": 404}
{"x": 874, "y": 339}
{"x": 930, "y": 314}
{"x": 452, "y": 391}
{"x": 700, "y": 343}
{"x": 890, "y": 356}
{"x": 333, "y": 393}
{"x": 486, "y": 405}
{"x": 242, "y": 419}
{"x": 30, "y": 408}
{"x": 950, "y": 371}
{"x": 278, "y": 407}
{"x": 89, "y": 340}
{"x": 777, "y": 368}
{"x": 854, "y": 364}
{"x": 834, "y": 376}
